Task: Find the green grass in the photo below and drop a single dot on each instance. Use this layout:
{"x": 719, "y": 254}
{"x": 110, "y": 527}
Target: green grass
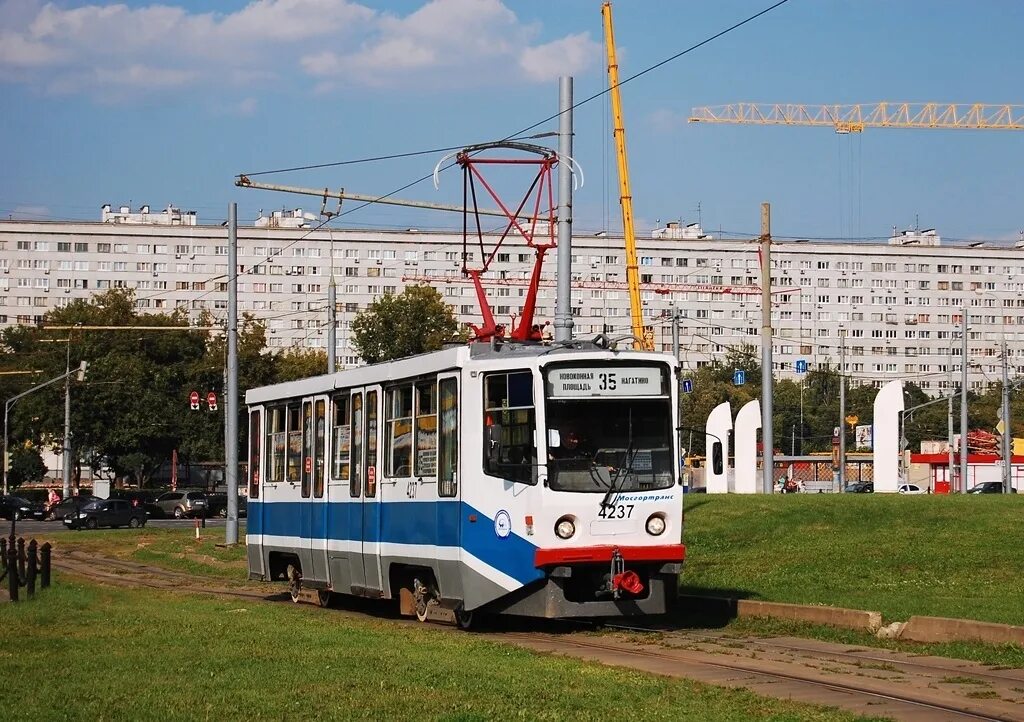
{"x": 80, "y": 651}
{"x": 947, "y": 556}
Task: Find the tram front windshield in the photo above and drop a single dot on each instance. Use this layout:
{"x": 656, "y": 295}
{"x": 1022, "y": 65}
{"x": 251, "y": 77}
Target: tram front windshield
{"x": 608, "y": 443}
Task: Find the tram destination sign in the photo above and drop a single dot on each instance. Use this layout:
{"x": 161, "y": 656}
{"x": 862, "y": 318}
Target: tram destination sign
{"x": 605, "y": 381}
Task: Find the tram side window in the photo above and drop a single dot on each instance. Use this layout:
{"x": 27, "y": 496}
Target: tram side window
{"x": 307, "y": 447}
{"x": 294, "y": 470}
{"x": 318, "y": 456}
{"x": 509, "y": 426}
{"x": 371, "y": 444}
{"x": 355, "y": 483}
{"x": 426, "y": 428}
{"x": 398, "y": 431}
{"x": 254, "y": 454}
{"x": 341, "y": 439}
{"x": 276, "y": 443}
{"x": 448, "y": 446}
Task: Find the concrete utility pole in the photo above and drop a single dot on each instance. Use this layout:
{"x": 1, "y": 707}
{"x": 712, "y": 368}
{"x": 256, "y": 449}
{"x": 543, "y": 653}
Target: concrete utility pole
{"x": 66, "y": 476}
{"x": 1006, "y": 440}
{"x": 767, "y": 389}
{"x": 675, "y": 332}
{"x": 563, "y": 293}
{"x": 949, "y": 434}
{"x": 842, "y": 408}
{"x": 231, "y": 392}
{"x": 332, "y": 320}
{"x": 963, "y": 404}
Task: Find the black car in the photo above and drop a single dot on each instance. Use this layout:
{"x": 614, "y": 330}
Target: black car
{"x": 217, "y": 505}
{"x": 15, "y": 508}
{"x": 861, "y": 487}
{"x": 71, "y": 505}
{"x": 114, "y": 513}
{"x": 989, "y": 487}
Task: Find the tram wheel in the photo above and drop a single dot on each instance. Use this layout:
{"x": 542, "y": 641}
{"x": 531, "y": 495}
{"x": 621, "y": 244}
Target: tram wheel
{"x": 323, "y": 597}
{"x": 294, "y": 583}
{"x": 463, "y": 619}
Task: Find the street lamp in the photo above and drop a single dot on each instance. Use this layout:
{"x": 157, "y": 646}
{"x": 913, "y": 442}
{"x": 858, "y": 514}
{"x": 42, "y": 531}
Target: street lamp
{"x": 1005, "y": 445}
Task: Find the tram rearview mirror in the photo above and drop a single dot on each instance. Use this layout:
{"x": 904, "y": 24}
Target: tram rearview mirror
{"x": 716, "y": 458}
{"x": 554, "y": 439}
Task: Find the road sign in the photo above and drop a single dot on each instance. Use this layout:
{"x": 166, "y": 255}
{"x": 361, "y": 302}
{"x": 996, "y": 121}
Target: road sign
{"x": 193, "y": 400}
{"x": 687, "y": 386}
{"x": 836, "y": 431}
{"x": 852, "y": 420}
{"x": 739, "y": 377}
{"x": 801, "y": 366}
{"x": 309, "y": 464}
{"x": 211, "y": 400}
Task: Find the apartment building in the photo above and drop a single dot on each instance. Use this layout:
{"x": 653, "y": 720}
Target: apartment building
{"x": 895, "y": 308}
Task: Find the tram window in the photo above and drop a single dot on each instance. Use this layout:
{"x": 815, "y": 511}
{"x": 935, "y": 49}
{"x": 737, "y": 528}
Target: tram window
{"x": 371, "y": 443}
{"x": 276, "y": 443}
{"x": 426, "y": 428}
{"x": 254, "y": 454}
{"x": 355, "y": 484}
{"x": 341, "y": 439}
{"x": 294, "y": 469}
{"x": 307, "y": 447}
{"x": 398, "y": 430}
{"x": 509, "y": 426}
{"x": 448, "y": 446}
{"x": 318, "y": 454}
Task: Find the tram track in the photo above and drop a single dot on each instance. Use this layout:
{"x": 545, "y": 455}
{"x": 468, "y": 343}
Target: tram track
{"x": 807, "y": 672}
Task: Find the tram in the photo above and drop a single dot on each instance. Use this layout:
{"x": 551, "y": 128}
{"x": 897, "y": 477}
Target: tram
{"x": 506, "y": 478}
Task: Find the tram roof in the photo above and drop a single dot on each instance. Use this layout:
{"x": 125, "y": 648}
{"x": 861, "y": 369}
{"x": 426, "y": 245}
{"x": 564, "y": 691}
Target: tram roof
{"x": 428, "y": 363}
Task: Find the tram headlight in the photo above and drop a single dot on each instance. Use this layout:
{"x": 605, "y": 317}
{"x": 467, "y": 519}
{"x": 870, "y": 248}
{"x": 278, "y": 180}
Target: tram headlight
{"x": 565, "y": 528}
{"x": 655, "y": 524}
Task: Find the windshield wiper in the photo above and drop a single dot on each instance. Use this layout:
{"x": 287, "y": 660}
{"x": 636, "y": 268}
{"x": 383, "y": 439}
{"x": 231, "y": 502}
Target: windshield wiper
{"x": 622, "y": 471}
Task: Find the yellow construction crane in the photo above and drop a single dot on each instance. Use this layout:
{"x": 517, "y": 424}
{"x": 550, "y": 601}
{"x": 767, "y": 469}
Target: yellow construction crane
{"x": 855, "y": 118}
{"x": 644, "y": 336}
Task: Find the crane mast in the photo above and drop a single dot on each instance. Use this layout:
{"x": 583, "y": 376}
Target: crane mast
{"x": 643, "y": 340}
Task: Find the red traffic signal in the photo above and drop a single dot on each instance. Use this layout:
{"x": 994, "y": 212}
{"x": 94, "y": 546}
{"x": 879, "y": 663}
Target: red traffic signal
{"x": 193, "y": 400}
{"x": 211, "y": 401}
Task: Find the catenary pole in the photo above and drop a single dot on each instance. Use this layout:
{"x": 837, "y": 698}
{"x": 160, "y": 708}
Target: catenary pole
{"x": 963, "y": 402}
{"x": 231, "y": 392}
{"x": 842, "y": 408}
{"x": 768, "y": 453}
{"x": 1006, "y": 444}
{"x": 332, "y": 322}
{"x": 66, "y": 476}
{"x": 563, "y": 293}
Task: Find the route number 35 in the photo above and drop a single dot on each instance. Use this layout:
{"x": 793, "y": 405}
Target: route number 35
{"x": 607, "y": 382}
{"x": 616, "y": 511}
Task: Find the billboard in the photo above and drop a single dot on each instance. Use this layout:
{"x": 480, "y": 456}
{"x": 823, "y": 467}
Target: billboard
{"x": 862, "y": 437}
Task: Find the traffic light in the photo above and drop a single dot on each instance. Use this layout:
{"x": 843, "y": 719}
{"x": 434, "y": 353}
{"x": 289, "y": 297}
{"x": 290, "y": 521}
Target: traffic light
{"x": 82, "y": 368}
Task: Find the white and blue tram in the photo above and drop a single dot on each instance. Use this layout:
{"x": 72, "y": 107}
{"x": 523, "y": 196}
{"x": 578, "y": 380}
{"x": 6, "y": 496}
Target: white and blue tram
{"x": 507, "y": 478}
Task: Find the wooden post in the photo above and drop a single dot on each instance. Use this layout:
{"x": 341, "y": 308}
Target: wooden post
{"x": 45, "y": 566}
{"x": 30, "y": 576}
{"x": 12, "y": 572}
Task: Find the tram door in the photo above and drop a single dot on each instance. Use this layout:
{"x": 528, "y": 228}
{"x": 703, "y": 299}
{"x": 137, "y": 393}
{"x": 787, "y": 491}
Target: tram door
{"x": 371, "y": 501}
{"x": 315, "y": 508}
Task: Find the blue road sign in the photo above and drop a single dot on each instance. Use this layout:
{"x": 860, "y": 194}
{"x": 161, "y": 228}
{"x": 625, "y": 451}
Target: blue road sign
{"x": 687, "y": 386}
{"x": 739, "y": 377}
{"x": 801, "y": 366}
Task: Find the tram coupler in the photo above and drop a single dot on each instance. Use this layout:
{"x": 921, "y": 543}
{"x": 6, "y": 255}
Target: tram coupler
{"x": 620, "y": 580}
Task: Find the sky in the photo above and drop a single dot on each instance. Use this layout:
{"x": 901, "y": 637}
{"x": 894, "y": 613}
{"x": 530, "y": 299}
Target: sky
{"x": 136, "y": 103}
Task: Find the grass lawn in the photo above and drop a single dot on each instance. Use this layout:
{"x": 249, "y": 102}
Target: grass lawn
{"x": 81, "y": 651}
{"x": 947, "y": 556}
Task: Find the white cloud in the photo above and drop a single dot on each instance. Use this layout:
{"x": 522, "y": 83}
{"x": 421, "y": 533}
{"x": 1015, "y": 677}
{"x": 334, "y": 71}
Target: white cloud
{"x": 568, "y": 56}
{"x": 106, "y": 49}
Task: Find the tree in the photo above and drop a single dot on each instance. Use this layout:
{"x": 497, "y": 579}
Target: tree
{"x": 26, "y": 466}
{"x": 299, "y": 363}
{"x": 415, "y": 321}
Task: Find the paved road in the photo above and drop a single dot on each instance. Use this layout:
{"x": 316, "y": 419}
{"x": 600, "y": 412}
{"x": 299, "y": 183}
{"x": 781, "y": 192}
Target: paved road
{"x": 27, "y": 528}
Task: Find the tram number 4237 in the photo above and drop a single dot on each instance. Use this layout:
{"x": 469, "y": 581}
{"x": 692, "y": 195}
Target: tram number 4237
{"x": 616, "y": 511}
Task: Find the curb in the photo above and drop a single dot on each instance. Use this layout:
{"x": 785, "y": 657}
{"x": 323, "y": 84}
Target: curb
{"x": 833, "y": 616}
{"x": 918, "y": 629}
{"x": 941, "y": 629}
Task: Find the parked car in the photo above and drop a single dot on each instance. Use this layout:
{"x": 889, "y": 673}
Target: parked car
{"x": 860, "y": 487}
{"x": 217, "y": 505}
{"x": 114, "y": 513}
{"x": 910, "y": 489}
{"x": 989, "y": 487}
{"x": 71, "y": 505}
{"x": 181, "y": 504}
{"x": 17, "y": 507}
